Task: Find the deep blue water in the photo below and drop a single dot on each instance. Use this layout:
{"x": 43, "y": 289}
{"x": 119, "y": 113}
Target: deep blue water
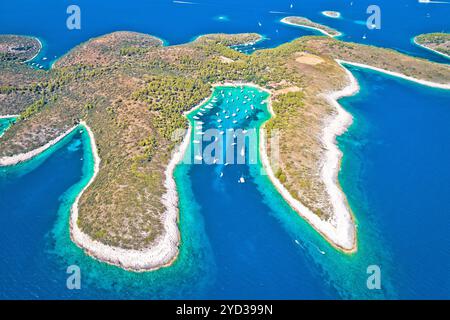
{"x": 29, "y": 201}
{"x": 241, "y": 240}
{"x": 396, "y": 161}
{"x": 179, "y": 23}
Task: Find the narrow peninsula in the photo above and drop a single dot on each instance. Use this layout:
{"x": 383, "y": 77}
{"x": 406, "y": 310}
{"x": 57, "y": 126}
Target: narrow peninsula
{"x": 436, "y": 42}
{"x": 303, "y": 22}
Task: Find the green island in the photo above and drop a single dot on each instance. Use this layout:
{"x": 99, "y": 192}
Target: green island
{"x": 132, "y": 92}
{"x": 331, "y": 14}
{"x": 437, "y": 42}
{"x": 308, "y": 24}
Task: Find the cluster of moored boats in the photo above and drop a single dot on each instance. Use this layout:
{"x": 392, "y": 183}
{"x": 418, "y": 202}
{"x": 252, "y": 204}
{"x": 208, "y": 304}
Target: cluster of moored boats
{"x": 245, "y": 48}
{"x": 235, "y": 107}
{"x": 38, "y": 65}
{"x": 226, "y": 114}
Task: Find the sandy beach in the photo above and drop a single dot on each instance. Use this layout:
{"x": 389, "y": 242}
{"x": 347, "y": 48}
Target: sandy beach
{"x": 284, "y": 20}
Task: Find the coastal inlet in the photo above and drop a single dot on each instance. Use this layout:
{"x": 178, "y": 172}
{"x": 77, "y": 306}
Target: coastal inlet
{"x": 224, "y": 129}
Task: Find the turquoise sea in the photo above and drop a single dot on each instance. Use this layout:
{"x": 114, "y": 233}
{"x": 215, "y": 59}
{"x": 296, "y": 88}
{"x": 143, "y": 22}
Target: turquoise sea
{"x": 241, "y": 240}
{"x": 5, "y": 123}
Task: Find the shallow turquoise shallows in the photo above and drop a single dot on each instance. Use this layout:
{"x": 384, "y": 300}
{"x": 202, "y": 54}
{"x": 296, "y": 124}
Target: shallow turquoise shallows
{"x": 5, "y": 123}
